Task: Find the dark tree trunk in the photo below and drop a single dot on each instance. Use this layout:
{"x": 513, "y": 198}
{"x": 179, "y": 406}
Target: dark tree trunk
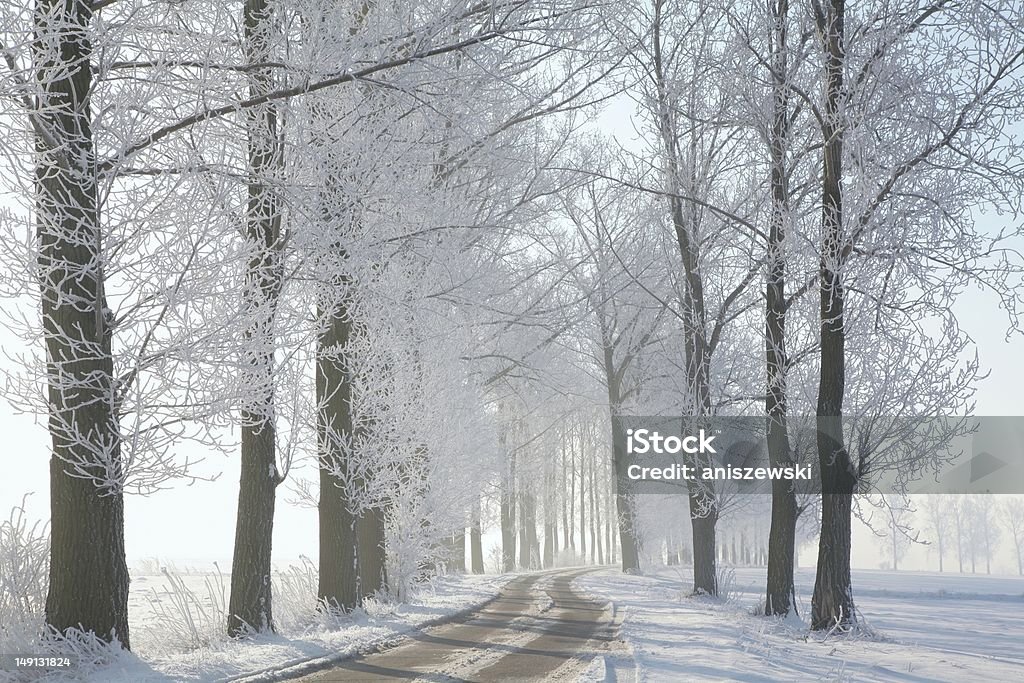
{"x": 88, "y": 577}
{"x": 550, "y": 549}
{"x": 337, "y": 585}
{"x": 702, "y": 498}
{"x": 508, "y": 534}
{"x": 596, "y": 543}
{"x": 524, "y": 542}
{"x": 249, "y": 605}
{"x": 583, "y": 501}
{"x": 627, "y": 540}
{"x": 531, "y": 531}
{"x": 609, "y": 517}
{"x": 460, "y": 550}
{"x": 570, "y": 527}
{"x": 371, "y": 519}
{"x": 671, "y": 549}
{"x": 832, "y": 602}
{"x": 476, "y": 548}
{"x": 551, "y": 510}
{"x": 371, "y": 559}
{"x": 705, "y": 579}
{"x": 549, "y": 545}
{"x": 338, "y": 578}
{"x": 780, "y": 596}
{"x": 566, "y": 497}
{"x": 508, "y": 517}
{"x": 529, "y": 550}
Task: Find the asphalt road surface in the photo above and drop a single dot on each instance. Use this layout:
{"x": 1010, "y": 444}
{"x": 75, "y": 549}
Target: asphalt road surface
{"x": 538, "y": 628}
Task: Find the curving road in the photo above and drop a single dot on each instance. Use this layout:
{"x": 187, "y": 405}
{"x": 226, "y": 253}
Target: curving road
{"x": 538, "y": 628}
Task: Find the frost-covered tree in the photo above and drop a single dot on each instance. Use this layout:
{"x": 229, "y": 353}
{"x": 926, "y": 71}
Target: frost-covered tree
{"x": 917, "y": 164}
{"x": 1012, "y": 509}
{"x": 982, "y": 513}
{"x": 774, "y": 40}
{"x": 250, "y": 604}
{"x": 936, "y": 513}
{"x": 611, "y": 265}
{"x": 895, "y": 528}
{"x": 130, "y": 112}
{"x": 695, "y": 161}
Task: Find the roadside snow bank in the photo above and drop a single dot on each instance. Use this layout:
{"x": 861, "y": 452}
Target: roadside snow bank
{"x": 678, "y": 638}
{"x": 298, "y": 648}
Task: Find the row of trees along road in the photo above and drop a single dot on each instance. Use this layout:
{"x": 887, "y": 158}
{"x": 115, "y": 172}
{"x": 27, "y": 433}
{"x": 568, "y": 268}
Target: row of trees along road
{"x": 390, "y": 239}
{"x": 231, "y": 197}
{"x": 817, "y": 148}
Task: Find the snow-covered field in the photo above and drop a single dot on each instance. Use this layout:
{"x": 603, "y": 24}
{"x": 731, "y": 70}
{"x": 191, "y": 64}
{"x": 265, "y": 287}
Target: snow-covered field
{"x": 165, "y": 628}
{"x": 920, "y": 627}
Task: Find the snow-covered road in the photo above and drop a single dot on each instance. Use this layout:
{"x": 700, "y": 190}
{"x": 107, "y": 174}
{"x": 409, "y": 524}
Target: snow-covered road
{"x": 538, "y": 628}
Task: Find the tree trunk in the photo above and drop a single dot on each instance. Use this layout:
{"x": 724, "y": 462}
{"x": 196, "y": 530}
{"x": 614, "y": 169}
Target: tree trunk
{"x": 553, "y": 521}
{"x": 780, "y": 595}
{"x": 570, "y": 454}
{"x": 550, "y": 548}
{"x": 583, "y": 501}
{"x": 596, "y": 551}
{"x": 476, "y": 548}
{"x": 609, "y": 517}
{"x": 705, "y": 579}
{"x": 508, "y": 516}
{"x": 566, "y": 497}
{"x": 371, "y": 552}
{"x": 338, "y": 578}
{"x": 832, "y": 601}
{"x": 628, "y": 550}
{"x": 88, "y": 576}
{"x": 337, "y": 582}
{"x": 671, "y": 549}
{"x": 702, "y": 498}
{"x": 959, "y": 536}
{"x": 249, "y": 606}
{"x": 529, "y": 550}
{"x": 531, "y": 531}
{"x": 524, "y": 541}
{"x": 508, "y": 533}
{"x": 459, "y": 551}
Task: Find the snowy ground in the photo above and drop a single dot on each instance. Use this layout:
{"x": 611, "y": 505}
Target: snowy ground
{"x": 164, "y": 629}
{"x": 926, "y": 627}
